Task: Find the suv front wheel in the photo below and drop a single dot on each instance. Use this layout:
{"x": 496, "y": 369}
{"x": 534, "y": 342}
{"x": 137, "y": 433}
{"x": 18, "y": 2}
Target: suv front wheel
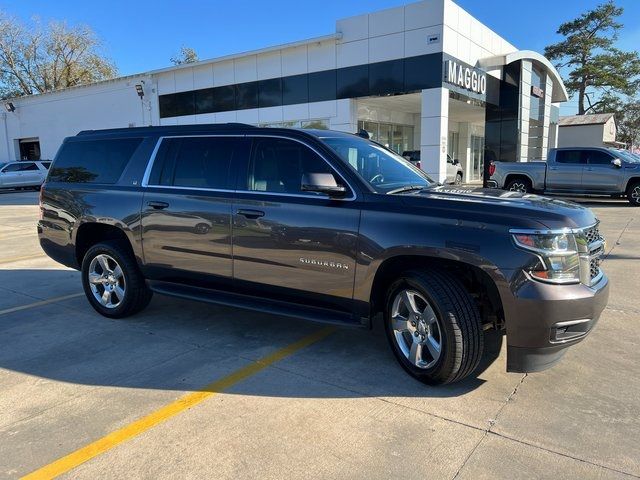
{"x": 112, "y": 281}
{"x": 433, "y": 326}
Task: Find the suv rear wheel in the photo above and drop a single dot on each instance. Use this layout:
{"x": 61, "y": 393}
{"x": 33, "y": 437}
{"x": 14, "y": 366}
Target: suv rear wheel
{"x": 433, "y": 326}
{"x": 633, "y": 194}
{"x": 112, "y": 281}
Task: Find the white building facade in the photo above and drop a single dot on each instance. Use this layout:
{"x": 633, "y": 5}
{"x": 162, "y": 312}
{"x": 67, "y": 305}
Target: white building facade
{"x": 426, "y": 76}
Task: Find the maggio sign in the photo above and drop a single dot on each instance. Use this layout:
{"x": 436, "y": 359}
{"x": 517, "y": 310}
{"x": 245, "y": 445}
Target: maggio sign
{"x": 465, "y": 77}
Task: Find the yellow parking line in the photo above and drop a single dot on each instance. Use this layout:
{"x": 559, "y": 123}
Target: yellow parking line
{"x": 145, "y": 423}
{"x": 17, "y": 259}
{"x": 41, "y": 302}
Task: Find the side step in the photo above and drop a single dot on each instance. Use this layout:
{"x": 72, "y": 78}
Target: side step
{"x": 247, "y": 302}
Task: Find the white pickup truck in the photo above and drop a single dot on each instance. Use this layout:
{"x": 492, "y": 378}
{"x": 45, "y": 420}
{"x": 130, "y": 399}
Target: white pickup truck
{"x": 585, "y": 170}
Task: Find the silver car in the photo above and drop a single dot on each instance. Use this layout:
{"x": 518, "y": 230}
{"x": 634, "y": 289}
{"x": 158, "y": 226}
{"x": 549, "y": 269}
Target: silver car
{"x": 23, "y": 174}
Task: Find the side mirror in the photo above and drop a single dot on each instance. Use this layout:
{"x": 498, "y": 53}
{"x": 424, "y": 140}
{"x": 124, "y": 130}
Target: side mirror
{"x": 456, "y": 162}
{"x": 322, "y": 183}
{"x": 616, "y": 162}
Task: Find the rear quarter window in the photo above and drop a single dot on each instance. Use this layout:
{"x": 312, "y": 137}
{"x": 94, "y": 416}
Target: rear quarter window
{"x": 93, "y": 161}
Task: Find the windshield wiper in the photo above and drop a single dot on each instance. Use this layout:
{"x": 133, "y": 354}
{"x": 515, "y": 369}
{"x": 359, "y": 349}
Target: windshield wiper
{"x": 406, "y": 188}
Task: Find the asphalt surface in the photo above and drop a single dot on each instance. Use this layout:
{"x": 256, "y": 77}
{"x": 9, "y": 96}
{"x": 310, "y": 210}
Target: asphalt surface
{"x": 334, "y": 406}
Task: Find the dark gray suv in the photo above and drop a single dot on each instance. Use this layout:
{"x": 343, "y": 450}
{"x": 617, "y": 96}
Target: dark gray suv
{"x": 325, "y": 226}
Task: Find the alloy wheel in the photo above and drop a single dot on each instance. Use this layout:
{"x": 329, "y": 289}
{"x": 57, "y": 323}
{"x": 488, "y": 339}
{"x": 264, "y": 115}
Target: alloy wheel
{"x": 635, "y": 194}
{"x": 518, "y": 187}
{"x": 107, "y": 281}
{"x": 416, "y": 329}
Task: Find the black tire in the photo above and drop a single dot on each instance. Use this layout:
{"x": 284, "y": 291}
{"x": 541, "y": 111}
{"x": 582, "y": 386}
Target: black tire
{"x": 462, "y": 338}
{"x": 633, "y": 193}
{"x": 458, "y": 180}
{"x": 136, "y": 294}
{"x": 519, "y": 184}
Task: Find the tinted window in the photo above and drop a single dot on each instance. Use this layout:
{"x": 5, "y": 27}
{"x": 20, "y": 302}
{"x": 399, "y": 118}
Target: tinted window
{"x": 224, "y": 98}
{"x": 176, "y": 104}
{"x": 598, "y": 157}
{"x": 570, "y": 156}
{"x": 14, "y": 167}
{"x": 386, "y": 77}
{"x": 204, "y": 100}
{"x": 322, "y": 86}
{"x": 199, "y": 162}
{"x": 247, "y": 95}
{"x": 421, "y": 72}
{"x": 353, "y": 81}
{"x": 28, "y": 166}
{"x": 277, "y": 165}
{"x": 270, "y": 92}
{"x": 93, "y": 161}
{"x": 295, "y": 89}
{"x": 46, "y": 165}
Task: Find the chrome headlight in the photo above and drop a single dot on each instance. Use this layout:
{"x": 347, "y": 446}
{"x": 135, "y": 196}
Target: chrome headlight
{"x": 558, "y": 253}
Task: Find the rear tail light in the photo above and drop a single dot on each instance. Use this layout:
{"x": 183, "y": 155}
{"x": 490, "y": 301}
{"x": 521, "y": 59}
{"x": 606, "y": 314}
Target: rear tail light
{"x": 40, "y": 194}
{"x": 492, "y": 169}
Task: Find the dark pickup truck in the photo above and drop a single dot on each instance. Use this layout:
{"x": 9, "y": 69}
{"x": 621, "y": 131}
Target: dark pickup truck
{"x": 325, "y": 226}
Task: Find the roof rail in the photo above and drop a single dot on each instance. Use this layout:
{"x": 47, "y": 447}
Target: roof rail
{"x": 168, "y": 128}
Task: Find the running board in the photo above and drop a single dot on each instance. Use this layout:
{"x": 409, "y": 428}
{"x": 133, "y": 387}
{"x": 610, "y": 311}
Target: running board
{"x": 248, "y": 302}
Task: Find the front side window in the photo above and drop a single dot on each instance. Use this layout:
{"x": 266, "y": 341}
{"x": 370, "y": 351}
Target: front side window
{"x": 277, "y": 166}
{"x": 13, "y": 167}
{"x": 598, "y": 157}
{"x": 382, "y": 169}
{"x": 196, "y": 162}
{"x": 575, "y": 157}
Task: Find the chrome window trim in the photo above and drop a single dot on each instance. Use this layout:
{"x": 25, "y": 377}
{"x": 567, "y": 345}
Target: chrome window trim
{"x": 154, "y": 153}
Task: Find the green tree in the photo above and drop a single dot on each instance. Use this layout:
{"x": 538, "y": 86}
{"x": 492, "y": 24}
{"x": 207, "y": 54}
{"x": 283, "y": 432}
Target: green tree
{"x": 39, "y": 59}
{"x": 186, "y": 55}
{"x": 596, "y": 68}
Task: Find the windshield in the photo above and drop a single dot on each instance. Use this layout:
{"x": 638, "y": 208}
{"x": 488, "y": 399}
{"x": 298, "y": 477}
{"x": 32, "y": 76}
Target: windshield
{"x": 383, "y": 169}
{"x": 628, "y": 156}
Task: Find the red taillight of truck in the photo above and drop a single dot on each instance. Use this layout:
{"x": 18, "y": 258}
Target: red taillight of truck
{"x": 492, "y": 169}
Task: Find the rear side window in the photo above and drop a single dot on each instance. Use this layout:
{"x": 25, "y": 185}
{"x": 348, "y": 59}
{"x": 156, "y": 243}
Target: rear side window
{"x": 196, "y": 162}
{"x": 570, "y": 156}
{"x": 46, "y": 164}
{"x": 28, "y": 166}
{"x": 598, "y": 157}
{"x": 93, "y": 161}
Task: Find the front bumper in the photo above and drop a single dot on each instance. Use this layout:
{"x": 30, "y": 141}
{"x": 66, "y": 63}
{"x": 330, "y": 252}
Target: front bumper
{"x": 543, "y": 320}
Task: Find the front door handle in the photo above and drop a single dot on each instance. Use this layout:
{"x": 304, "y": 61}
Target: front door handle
{"x": 158, "y": 205}
{"x": 250, "y": 213}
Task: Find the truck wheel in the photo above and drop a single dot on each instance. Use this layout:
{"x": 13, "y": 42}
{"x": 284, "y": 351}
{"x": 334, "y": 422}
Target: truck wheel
{"x": 113, "y": 282}
{"x": 519, "y": 185}
{"x": 633, "y": 194}
{"x": 433, "y": 326}
{"x": 458, "y": 180}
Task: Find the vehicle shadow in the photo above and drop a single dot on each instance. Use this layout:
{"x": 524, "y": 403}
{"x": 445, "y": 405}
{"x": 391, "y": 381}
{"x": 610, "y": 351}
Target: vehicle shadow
{"x": 181, "y": 345}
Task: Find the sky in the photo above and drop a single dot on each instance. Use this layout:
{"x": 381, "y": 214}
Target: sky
{"x": 142, "y": 35}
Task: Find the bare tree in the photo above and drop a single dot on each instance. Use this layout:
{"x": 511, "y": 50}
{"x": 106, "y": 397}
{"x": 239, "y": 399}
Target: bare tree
{"x": 186, "y": 55}
{"x": 37, "y": 59}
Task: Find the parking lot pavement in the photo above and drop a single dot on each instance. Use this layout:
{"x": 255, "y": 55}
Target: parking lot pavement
{"x": 127, "y": 396}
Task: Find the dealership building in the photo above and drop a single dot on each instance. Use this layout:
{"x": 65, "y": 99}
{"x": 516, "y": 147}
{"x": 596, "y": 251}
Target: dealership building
{"x": 425, "y": 76}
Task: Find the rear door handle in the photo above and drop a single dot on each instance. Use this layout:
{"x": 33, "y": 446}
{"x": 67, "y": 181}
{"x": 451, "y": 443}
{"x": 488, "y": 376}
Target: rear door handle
{"x": 250, "y": 213}
{"x": 158, "y": 205}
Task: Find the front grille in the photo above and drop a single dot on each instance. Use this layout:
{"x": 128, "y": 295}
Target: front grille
{"x": 594, "y": 267}
{"x": 592, "y": 234}
{"x": 595, "y": 249}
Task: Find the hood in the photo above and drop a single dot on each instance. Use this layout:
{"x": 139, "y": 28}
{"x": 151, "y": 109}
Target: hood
{"x": 519, "y": 208}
